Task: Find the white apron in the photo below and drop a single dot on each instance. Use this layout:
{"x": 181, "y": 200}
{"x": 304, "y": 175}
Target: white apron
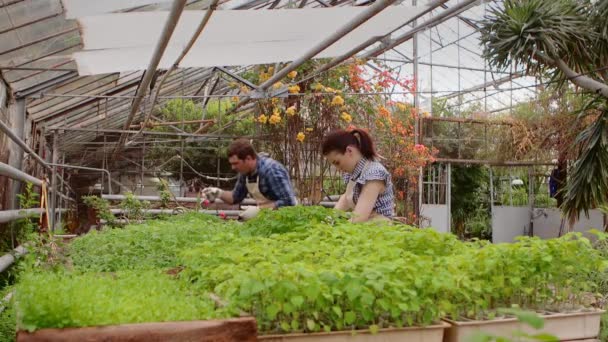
{"x": 254, "y": 191}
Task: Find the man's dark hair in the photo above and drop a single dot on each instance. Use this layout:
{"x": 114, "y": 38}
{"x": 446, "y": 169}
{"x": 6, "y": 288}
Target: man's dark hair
{"x": 241, "y": 148}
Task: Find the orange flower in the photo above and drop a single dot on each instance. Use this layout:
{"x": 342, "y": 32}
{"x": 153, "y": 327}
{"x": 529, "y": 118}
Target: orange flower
{"x": 384, "y": 112}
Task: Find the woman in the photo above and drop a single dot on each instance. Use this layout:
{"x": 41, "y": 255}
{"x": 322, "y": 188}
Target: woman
{"x": 369, "y": 191}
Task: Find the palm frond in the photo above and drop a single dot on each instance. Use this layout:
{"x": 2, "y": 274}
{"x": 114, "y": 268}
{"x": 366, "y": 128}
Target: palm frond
{"x": 587, "y": 187}
{"x": 517, "y": 31}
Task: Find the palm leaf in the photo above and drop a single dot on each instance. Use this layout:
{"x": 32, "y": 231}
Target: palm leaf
{"x": 514, "y": 34}
{"x": 587, "y": 187}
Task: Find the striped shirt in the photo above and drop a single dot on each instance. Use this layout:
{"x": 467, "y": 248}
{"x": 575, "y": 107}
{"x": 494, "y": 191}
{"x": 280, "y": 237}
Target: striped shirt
{"x": 375, "y": 171}
{"x": 273, "y": 182}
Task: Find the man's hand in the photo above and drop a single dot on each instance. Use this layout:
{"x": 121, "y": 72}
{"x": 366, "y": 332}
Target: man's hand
{"x": 249, "y": 213}
{"x": 212, "y": 193}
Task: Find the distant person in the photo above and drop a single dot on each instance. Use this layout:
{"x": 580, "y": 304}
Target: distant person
{"x": 369, "y": 190}
{"x": 265, "y": 179}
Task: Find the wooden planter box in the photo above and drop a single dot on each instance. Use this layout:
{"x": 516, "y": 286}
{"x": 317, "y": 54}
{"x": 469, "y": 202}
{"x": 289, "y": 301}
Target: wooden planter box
{"x": 565, "y": 326}
{"x": 432, "y": 333}
{"x": 228, "y": 330}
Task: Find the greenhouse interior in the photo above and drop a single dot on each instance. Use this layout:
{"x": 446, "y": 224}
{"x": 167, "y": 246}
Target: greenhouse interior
{"x": 304, "y": 170}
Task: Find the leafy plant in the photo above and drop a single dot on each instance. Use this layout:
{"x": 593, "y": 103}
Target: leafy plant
{"x": 101, "y": 207}
{"x": 21, "y": 229}
{"x": 164, "y": 193}
{"x": 154, "y": 244}
{"x": 127, "y": 298}
{"x": 314, "y": 273}
{"x": 133, "y": 208}
{"x": 291, "y": 219}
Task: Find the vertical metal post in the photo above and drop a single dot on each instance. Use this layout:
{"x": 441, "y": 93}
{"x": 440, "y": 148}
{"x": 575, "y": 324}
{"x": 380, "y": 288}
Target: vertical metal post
{"x": 15, "y": 158}
{"x": 492, "y": 202}
{"x": 219, "y": 120}
{"x": 59, "y": 198}
{"x": 448, "y": 196}
{"x": 53, "y": 195}
{"x": 41, "y": 152}
{"x": 531, "y": 200}
{"x": 143, "y": 152}
{"x": 417, "y": 121}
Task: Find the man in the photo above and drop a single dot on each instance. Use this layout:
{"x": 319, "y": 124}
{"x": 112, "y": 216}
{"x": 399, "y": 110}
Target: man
{"x": 265, "y": 179}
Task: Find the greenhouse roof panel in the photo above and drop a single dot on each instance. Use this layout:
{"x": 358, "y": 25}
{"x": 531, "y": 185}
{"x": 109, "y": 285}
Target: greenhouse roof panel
{"x": 271, "y": 36}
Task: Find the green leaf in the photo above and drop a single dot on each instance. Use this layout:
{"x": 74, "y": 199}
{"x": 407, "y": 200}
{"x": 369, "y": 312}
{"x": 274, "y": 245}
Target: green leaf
{"x": 295, "y": 325}
{"x": 272, "y": 310}
{"x": 337, "y": 310}
{"x": 350, "y": 317}
{"x": 545, "y": 337}
{"x": 310, "y": 324}
{"x": 374, "y": 328}
{"x": 285, "y": 326}
{"x": 353, "y": 290}
{"x": 297, "y": 301}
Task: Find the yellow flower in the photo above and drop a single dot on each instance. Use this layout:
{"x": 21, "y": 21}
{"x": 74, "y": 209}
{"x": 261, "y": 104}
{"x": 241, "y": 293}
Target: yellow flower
{"x": 292, "y": 74}
{"x": 294, "y": 89}
{"x": 291, "y": 111}
{"x": 270, "y": 70}
{"x": 337, "y": 101}
{"x": 277, "y": 85}
{"x": 346, "y": 117}
{"x": 274, "y": 101}
{"x": 244, "y": 89}
{"x": 330, "y": 90}
{"x": 401, "y": 106}
{"x": 274, "y": 119}
{"x": 309, "y": 129}
{"x": 300, "y": 137}
{"x": 262, "y": 118}
{"x": 426, "y": 114}
{"x": 235, "y": 99}
{"x": 264, "y": 76}
{"x": 318, "y": 87}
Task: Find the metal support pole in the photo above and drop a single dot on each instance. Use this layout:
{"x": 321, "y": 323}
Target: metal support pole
{"x": 15, "y": 158}
{"x": 57, "y": 198}
{"x": 370, "y": 12}
{"x": 418, "y": 208}
{"x": 7, "y": 130}
{"x": 453, "y": 11}
{"x": 448, "y": 200}
{"x": 54, "y": 178}
{"x": 170, "y": 24}
{"x": 531, "y": 200}
{"x": 90, "y": 169}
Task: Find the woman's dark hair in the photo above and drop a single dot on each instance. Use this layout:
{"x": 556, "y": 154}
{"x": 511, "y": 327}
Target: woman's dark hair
{"x": 340, "y": 139}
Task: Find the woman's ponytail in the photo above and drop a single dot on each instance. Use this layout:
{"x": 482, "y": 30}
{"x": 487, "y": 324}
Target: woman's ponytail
{"x": 340, "y": 139}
